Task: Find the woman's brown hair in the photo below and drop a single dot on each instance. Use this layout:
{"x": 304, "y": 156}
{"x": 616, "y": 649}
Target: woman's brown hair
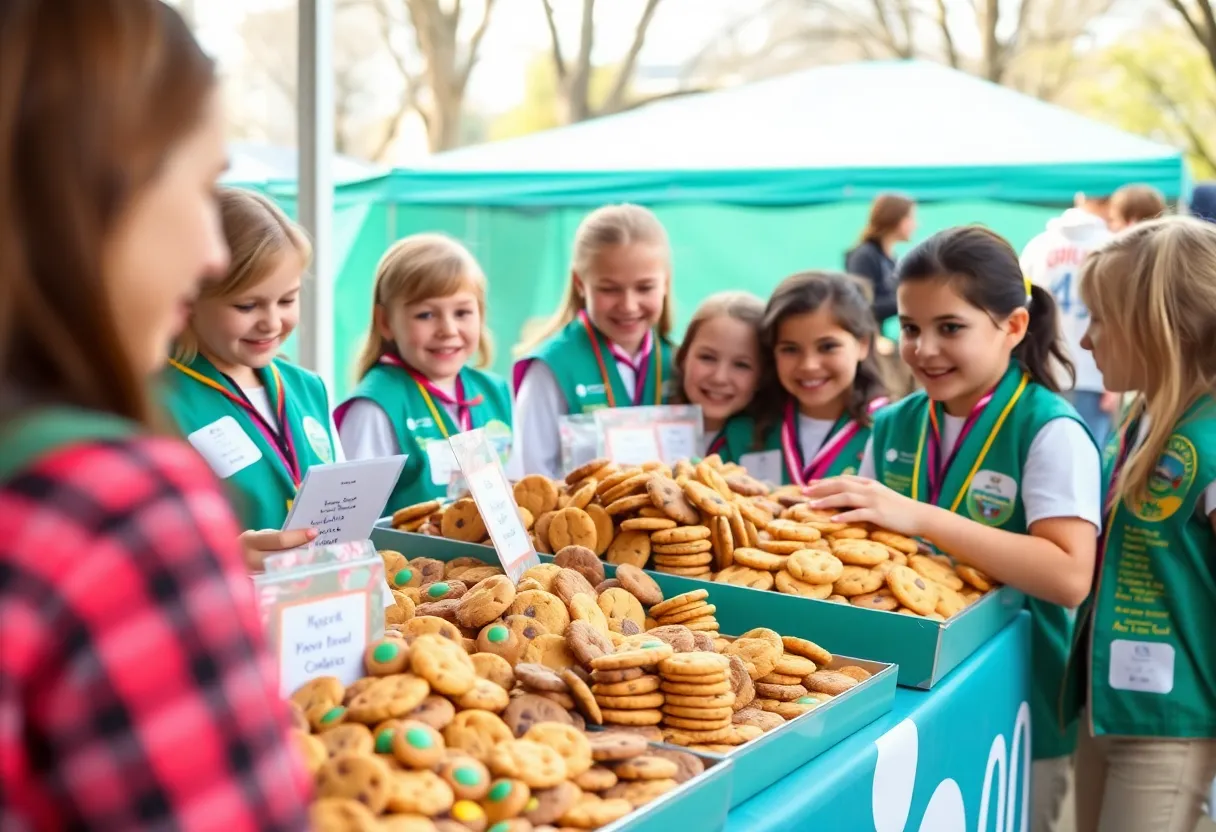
{"x": 1137, "y": 203}
{"x": 94, "y": 94}
{"x": 257, "y": 234}
{"x": 886, "y": 213}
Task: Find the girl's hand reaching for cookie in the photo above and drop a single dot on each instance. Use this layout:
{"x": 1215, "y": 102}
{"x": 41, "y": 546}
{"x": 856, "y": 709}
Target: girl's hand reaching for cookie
{"x": 861, "y": 500}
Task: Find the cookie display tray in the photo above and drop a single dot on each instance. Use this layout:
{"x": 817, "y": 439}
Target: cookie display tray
{"x": 702, "y": 803}
{"x": 925, "y": 650}
{"x": 767, "y": 759}
{"x": 762, "y": 762}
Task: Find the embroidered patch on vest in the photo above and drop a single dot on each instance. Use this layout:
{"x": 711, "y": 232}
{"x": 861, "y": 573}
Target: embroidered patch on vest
{"x": 992, "y": 497}
{"x": 318, "y": 437}
{"x": 1169, "y": 482}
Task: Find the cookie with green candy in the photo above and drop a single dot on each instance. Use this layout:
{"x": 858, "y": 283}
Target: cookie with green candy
{"x": 469, "y": 779}
{"x": 506, "y": 799}
{"x": 441, "y": 591}
{"x": 386, "y": 657}
{"x": 405, "y": 576}
{"x": 417, "y": 745}
{"x": 323, "y": 717}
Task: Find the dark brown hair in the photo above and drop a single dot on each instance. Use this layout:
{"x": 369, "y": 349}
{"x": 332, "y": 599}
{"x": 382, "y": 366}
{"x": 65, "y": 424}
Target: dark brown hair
{"x": 984, "y": 268}
{"x": 93, "y": 96}
{"x": 887, "y": 211}
{"x": 1137, "y": 203}
{"x": 847, "y": 298}
{"x": 741, "y": 306}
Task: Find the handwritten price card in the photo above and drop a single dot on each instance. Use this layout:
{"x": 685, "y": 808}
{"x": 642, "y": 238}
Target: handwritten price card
{"x": 344, "y": 500}
{"x": 487, "y": 482}
{"x": 635, "y": 435}
{"x": 321, "y": 607}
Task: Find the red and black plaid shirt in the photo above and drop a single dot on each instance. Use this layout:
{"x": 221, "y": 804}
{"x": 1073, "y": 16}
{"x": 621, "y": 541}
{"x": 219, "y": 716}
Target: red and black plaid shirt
{"x": 135, "y": 690}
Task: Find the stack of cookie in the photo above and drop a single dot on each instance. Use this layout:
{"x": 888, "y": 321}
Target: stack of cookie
{"x": 624, "y": 684}
{"x": 699, "y": 698}
{"x": 690, "y": 610}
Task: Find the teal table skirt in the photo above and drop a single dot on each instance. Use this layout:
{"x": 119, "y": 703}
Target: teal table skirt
{"x": 951, "y": 759}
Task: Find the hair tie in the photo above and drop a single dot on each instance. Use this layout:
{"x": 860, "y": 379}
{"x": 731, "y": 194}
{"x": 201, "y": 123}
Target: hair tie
{"x": 1029, "y": 288}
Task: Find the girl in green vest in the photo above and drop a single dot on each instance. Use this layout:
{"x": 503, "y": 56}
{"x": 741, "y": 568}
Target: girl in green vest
{"x": 816, "y": 408}
{"x": 988, "y": 461}
{"x": 258, "y": 420}
{"x": 1142, "y": 671}
{"x": 717, "y": 366}
{"x": 607, "y": 346}
{"x": 415, "y": 387}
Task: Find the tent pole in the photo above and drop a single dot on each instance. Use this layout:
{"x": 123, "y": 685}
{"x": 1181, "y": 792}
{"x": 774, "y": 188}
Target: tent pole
{"x": 315, "y": 194}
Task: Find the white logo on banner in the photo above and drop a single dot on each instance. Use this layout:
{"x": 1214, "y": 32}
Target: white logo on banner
{"x": 895, "y": 781}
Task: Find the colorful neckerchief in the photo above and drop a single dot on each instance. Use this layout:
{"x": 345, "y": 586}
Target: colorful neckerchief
{"x": 641, "y": 365}
{"x": 929, "y": 447}
{"x": 718, "y": 444}
{"x": 464, "y": 414}
{"x": 802, "y": 471}
{"x": 277, "y": 437}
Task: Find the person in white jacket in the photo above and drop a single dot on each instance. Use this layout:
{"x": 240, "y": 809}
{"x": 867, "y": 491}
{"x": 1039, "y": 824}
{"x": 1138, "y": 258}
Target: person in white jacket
{"x": 1053, "y": 260}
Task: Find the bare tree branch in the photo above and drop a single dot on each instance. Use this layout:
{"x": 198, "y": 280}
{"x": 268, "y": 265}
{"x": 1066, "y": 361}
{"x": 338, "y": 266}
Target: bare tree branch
{"x": 474, "y": 48}
{"x": 1167, "y": 102}
{"x": 625, "y": 73}
{"x": 559, "y": 62}
{"x": 1191, "y": 22}
{"x": 943, "y": 25}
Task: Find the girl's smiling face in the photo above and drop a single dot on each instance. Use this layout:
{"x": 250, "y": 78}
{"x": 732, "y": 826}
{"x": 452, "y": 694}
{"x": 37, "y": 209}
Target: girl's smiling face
{"x": 816, "y": 361}
{"x": 722, "y": 368}
{"x": 956, "y": 350}
{"x": 624, "y": 292}
{"x": 436, "y": 336}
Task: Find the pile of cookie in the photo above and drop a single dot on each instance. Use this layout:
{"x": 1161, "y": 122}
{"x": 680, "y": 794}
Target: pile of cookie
{"x": 713, "y": 521}
{"x": 587, "y": 649}
{"x": 391, "y": 751}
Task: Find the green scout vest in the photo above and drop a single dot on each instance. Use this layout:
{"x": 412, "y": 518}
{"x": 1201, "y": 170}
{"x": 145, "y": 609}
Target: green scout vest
{"x": 900, "y": 432}
{"x": 399, "y": 396}
{"x": 45, "y": 430}
{"x": 261, "y": 484}
{"x": 1148, "y": 630}
{"x": 736, "y": 438}
{"x": 573, "y": 361}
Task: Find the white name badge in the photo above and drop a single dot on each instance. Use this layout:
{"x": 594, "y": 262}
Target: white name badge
{"x": 225, "y": 446}
{"x": 442, "y": 462}
{"x": 763, "y": 465}
{"x": 1141, "y": 666}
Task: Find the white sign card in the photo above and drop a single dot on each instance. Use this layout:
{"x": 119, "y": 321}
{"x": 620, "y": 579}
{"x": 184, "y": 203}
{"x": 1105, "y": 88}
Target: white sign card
{"x": 635, "y": 435}
{"x": 495, "y": 499}
{"x": 321, "y": 607}
{"x": 343, "y": 501}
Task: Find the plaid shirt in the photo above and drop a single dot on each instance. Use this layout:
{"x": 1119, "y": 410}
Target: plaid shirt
{"x": 135, "y": 690}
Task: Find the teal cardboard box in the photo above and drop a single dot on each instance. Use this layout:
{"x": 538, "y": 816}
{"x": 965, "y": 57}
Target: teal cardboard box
{"x": 925, "y": 650}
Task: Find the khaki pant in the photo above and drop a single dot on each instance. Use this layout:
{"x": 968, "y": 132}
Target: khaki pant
{"x": 1142, "y": 785}
{"x": 1050, "y": 782}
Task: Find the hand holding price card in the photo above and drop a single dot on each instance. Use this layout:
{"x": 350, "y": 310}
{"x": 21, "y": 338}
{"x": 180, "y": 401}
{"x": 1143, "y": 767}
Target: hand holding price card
{"x": 635, "y": 435}
{"x": 487, "y": 482}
